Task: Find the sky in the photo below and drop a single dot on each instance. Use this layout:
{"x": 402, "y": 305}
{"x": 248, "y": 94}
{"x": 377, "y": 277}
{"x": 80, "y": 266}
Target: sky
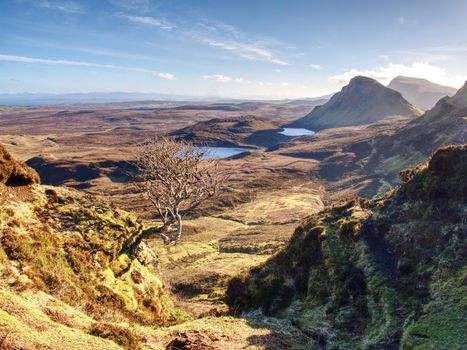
{"x": 226, "y": 48}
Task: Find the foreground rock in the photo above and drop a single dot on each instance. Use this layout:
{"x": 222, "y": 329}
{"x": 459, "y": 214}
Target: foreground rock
{"x": 15, "y": 173}
{"x": 385, "y": 274}
{"x": 70, "y": 265}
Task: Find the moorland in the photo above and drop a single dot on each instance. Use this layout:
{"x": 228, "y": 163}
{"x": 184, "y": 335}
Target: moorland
{"x": 282, "y": 237}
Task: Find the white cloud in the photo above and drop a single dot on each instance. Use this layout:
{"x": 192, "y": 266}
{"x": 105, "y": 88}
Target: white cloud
{"x": 401, "y": 20}
{"x": 315, "y": 66}
{"x": 219, "y": 35}
{"x": 384, "y": 74}
{"x": 219, "y": 78}
{"x": 245, "y": 50}
{"x": 277, "y": 70}
{"x": 24, "y": 59}
{"x": 64, "y": 6}
{"x": 166, "y": 76}
{"x": 155, "y": 22}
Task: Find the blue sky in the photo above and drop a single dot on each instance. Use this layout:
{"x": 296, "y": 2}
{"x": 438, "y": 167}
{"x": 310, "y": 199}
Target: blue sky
{"x": 241, "y": 48}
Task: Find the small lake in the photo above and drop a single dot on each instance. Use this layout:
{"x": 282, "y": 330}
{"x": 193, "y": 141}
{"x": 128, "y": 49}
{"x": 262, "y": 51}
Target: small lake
{"x": 296, "y": 132}
{"x": 222, "y": 152}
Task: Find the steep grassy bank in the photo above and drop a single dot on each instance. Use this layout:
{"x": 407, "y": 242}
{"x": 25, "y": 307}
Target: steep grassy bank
{"x": 69, "y": 268}
{"x": 385, "y": 274}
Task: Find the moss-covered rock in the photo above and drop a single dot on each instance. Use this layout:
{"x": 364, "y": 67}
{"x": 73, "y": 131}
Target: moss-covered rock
{"x": 82, "y": 251}
{"x": 383, "y": 274}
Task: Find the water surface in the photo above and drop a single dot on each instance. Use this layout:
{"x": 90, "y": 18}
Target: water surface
{"x": 222, "y": 152}
{"x": 296, "y": 132}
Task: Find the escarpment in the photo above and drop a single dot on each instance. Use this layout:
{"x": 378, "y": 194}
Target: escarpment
{"x": 381, "y": 274}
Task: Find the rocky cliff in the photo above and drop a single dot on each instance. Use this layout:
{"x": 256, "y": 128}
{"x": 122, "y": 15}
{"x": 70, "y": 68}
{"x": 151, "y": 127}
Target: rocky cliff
{"x": 383, "y": 274}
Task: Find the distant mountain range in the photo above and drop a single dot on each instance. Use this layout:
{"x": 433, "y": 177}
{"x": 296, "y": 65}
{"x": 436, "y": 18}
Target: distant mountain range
{"x": 31, "y": 99}
{"x": 362, "y": 101}
{"x": 420, "y": 92}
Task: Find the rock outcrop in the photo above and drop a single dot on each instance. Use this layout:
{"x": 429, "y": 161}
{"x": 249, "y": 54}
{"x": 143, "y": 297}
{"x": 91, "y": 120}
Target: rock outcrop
{"x": 72, "y": 268}
{"x": 383, "y": 274}
{"x": 15, "y": 173}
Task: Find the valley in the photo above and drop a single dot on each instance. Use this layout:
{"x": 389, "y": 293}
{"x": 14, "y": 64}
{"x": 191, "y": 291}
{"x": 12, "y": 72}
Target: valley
{"x": 233, "y": 175}
{"x": 279, "y": 174}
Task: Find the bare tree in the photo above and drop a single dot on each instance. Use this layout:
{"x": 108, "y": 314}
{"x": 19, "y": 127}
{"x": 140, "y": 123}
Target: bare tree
{"x": 176, "y": 178}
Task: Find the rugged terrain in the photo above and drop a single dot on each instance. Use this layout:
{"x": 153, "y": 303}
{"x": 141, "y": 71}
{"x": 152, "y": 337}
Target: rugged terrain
{"x": 235, "y": 131}
{"x": 269, "y": 191}
{"x": 383, "y": 274}
{"x": 362, "y": 101}
{"x": 446, "y": 123}
{"x": 74, "y": 273}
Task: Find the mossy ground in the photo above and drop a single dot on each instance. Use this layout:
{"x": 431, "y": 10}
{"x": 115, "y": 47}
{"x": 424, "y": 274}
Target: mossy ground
{"x": 384, "y": 274}
{"x": 75, "y": 250}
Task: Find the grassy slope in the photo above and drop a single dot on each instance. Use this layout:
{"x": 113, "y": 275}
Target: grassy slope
{"x": 376, "y": 274}
{"x": 77, "y": 251}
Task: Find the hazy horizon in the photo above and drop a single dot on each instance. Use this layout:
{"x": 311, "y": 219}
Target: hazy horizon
{"x": 243, "y": 50}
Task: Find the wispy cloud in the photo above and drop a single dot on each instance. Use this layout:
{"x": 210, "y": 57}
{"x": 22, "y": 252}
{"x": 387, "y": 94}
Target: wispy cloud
{"x": 152, "y": 21}
{"x": 217, "y": 35}
{"x": 25, "y": 59}
{"x": 64, "y": 6}
{"x": 315, "y": 66}
{"x": 166, "y": 76}
{"x": 384, "y": 74}
{"x": 219, "y": 78}
{"x": 245, "y": 50}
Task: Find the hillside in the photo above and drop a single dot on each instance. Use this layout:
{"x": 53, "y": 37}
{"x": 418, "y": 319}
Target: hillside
{"x": 385, "y": 274}
{"x": 420, "y": 92}
{"x": 233, "y": 131}
{"x": 75, "y": 274}
{"x": 69, "y": 265}
{"x": 362, "y": 101}
{"x": 446, "y": 123}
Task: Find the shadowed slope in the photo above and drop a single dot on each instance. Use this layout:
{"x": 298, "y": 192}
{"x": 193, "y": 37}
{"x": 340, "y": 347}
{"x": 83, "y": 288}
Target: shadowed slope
{"x": 445, "y": 124}
{"x": 386, "y": 274}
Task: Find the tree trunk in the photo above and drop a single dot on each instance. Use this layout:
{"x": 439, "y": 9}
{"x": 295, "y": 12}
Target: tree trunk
{"x": 178, "y": 234}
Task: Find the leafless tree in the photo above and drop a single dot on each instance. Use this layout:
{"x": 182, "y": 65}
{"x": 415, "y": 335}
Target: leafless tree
{"x": 176, "y": 178}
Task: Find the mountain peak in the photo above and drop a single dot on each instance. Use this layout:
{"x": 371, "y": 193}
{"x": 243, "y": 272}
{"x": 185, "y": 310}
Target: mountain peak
{"x": 361, "y": 79}
{"x": 363, "y": 101}
{"x": 419, "y": 91}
